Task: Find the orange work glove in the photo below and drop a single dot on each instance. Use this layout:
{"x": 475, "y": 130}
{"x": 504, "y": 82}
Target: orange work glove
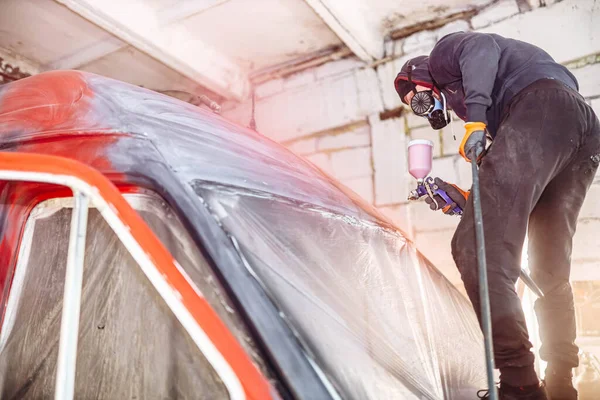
{"x": 473, "y": 143}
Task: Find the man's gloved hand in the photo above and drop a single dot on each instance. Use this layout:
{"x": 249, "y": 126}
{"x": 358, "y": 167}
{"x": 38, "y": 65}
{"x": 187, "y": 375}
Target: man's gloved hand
{"x": 459, "y": 197}
{"x": 474, "y": 139}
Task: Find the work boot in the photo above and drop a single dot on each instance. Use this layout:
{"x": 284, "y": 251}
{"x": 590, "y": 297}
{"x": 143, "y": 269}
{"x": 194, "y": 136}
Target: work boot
{"x": 506, "y": 392}
{"x": 559, "y": 384}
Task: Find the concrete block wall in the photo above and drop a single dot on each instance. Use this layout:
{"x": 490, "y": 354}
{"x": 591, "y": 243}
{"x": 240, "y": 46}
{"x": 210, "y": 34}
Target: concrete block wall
{"x": 344, "y": 153}
{"x": 335, "y": 116}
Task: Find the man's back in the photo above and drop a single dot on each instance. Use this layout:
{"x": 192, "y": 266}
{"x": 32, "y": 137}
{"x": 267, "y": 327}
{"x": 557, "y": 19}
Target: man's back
{"x": 510, "y": 64}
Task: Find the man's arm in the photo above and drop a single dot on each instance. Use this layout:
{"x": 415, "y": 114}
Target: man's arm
{"x": 473, "y": 58}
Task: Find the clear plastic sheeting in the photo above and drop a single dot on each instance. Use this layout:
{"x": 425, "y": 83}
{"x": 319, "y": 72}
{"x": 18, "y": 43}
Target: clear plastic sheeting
{"x": 195, "y": 143}
{"x": 375, "y": 316}
{"x": 130, "y": 343}
{"x": 378, "y": 320}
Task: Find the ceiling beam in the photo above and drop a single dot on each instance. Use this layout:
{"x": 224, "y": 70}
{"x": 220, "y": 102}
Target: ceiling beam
{"x": 185, "y": 9}
{"x": 136, "y": 23}
{"x": 167, "y": 15}
{"x": 349, "y": 20}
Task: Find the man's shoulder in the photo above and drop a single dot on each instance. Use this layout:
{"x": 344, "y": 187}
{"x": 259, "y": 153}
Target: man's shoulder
{"x": 446, "y": 46}
{"x": 452, "y": 36}
{"x": 450, "y": 41}
{"x": 465, "y": 35}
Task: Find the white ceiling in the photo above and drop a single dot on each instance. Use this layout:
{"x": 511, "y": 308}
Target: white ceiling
{"x": 267, "y": 33}
{"x": 196, "y": 45}
{"x": 44, "y": 31}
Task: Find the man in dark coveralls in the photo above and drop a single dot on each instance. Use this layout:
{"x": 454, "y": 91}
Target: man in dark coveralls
{"x": 544, "y": 153}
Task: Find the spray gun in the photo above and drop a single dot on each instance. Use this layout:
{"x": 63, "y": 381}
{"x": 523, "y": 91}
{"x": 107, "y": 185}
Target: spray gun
{"x": 420, "y": 156}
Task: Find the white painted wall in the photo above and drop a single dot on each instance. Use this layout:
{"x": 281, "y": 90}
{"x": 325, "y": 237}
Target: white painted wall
{"x": 331, "y": 115}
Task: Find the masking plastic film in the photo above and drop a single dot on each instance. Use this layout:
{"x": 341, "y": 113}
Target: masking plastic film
{"x": 195, "y": 143}
{"x": 378, "y": 319}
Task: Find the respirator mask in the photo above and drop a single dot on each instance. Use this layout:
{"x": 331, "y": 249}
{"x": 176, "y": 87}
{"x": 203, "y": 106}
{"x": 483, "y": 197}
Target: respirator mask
{"x": 424, "y": 104}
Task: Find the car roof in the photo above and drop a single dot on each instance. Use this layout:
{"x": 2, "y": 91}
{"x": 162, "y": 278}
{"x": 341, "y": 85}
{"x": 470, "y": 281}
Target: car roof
{"x": 195, "y": 143}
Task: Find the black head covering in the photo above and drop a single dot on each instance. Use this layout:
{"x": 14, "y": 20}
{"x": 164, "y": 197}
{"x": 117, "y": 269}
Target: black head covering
{"x": 414, "y": 72}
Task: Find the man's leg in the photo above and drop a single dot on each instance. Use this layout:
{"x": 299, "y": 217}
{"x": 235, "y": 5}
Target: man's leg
{"x": 537, "y": 140}
{"x": 501, "y": 198}
{"x": 552, "y": 225}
